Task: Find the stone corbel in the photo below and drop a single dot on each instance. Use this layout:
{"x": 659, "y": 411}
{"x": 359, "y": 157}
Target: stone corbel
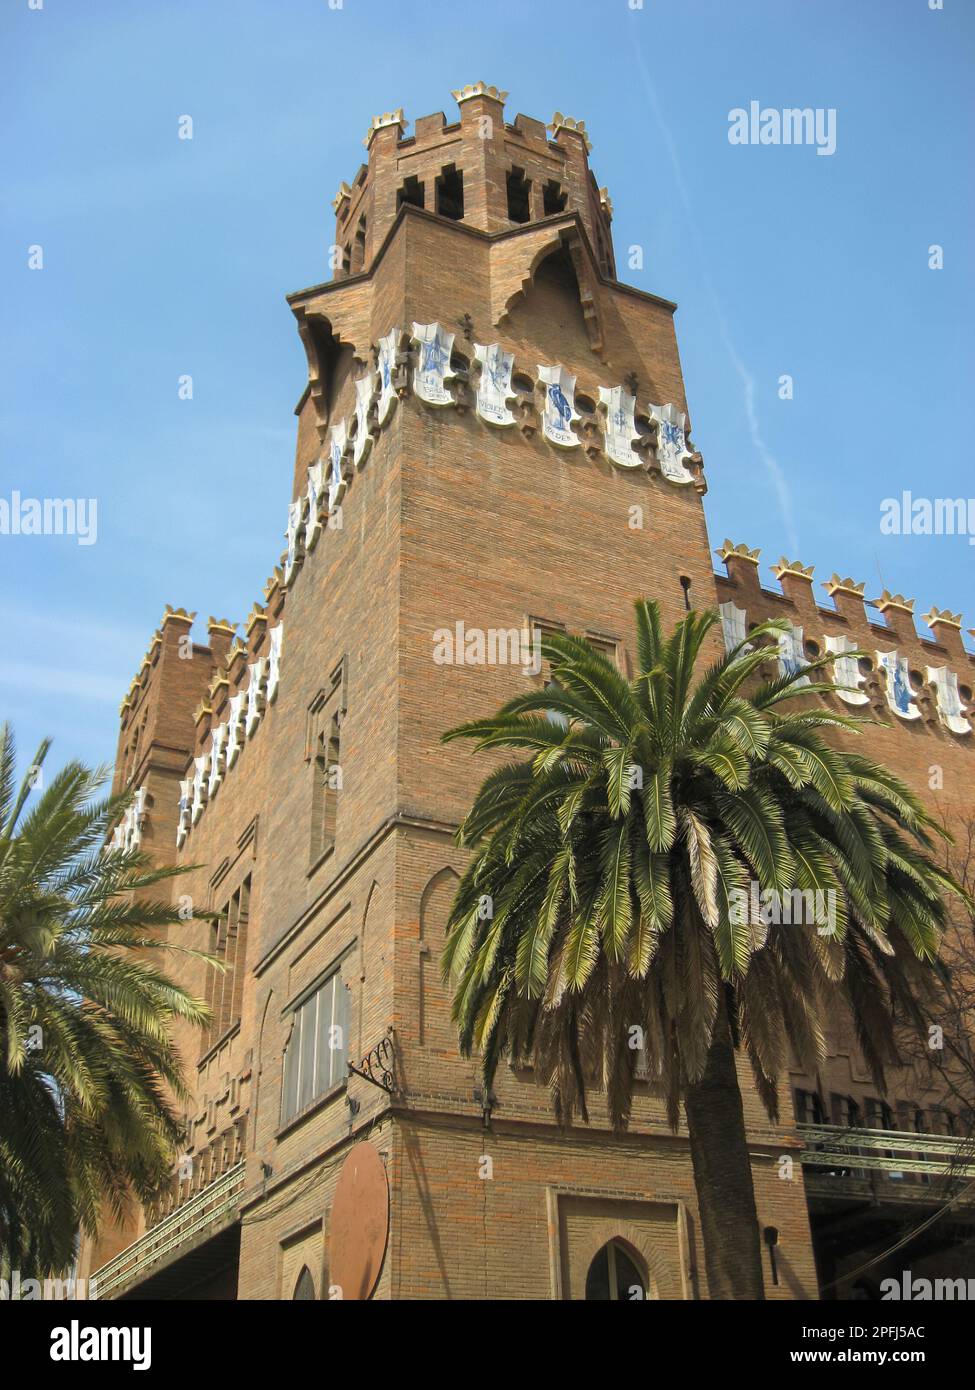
{"x": 527, "y": 416}
{"x": 373, "y": 427}
{"x": 592, "y": 440}
{"x": 463, "y": 390}
{"x": 643, "y": 449}
{"x": 401, "y": 369}
{"x": 695, "y": 466}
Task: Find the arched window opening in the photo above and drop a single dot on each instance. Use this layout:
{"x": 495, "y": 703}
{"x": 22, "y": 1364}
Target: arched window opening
{"x": 614, "y": 1277}
{"x": 305, "y": 1287}
{"x": 359, "y": 247}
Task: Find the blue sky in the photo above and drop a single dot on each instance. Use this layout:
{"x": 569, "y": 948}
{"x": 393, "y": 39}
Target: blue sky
{"x": 164, "y": 257}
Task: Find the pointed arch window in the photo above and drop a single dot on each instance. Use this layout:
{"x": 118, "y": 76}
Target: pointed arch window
{"x": 614, "y": 1276}
{"x": 305, "y": 1287}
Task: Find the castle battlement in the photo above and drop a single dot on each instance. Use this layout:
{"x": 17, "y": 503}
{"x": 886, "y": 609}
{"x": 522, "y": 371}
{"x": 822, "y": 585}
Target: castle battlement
{"x": 479, "y": 170}
{"x": 902, "y": 674}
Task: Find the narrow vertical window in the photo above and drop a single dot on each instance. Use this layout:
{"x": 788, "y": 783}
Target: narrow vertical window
{"x": 553, "y": 198}
{"x": 450, "y": 193}
{"x": 228, "y": 943}
{"x": 518, "y": 196}
{"x": 359, "y": 247}
{"x": 327, "y": 774}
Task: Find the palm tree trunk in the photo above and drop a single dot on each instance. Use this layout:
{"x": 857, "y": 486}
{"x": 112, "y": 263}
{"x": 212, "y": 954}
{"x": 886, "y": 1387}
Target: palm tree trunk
{"x": 723, "y": 1174}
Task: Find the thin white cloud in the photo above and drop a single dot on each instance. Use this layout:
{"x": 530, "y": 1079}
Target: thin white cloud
{"x": 772, "y": 466}
{"x": 51, "y": 680}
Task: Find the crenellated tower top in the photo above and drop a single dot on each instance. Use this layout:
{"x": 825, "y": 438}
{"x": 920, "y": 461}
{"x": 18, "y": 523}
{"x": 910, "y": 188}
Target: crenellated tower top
{"x": 479, "y": 170}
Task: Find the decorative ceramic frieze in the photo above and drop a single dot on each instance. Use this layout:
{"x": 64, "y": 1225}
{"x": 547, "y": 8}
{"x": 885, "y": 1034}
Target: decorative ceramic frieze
{"x": 846, "y": 671}
{"x": 733, "y": 624}
{"x": 218, "y": 759}
{"x": 313, "y": 496}
{"x": 364, "y": 390}
{"x": 255, "y": 695}
{"x": 127, "y": 835}
{"x": 494, "y": 386}
{"x": 672, "y": 447}
{"x": 792, "y": 654}
{"x": 275, "y": 638}
{"x": 199, "y": 787}
{"x": 134, "y": 817}
{"x": 185, "y": 807}
{"x": 294, "y": 527}
{"x": 900, "y": 697}
{"x": 386, "y": 366}
{"x": 560, "y": 410}
{"x": 336, "y": 448}
{"x": 235, "y": 727}
{"x": 951, "y": 711}
{"x": 433, "y": 370}
{"x": 620, "y": 433}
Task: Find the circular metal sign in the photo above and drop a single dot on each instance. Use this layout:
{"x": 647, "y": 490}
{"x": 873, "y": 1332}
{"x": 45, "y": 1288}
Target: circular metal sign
{"x": 359, "y": 1227}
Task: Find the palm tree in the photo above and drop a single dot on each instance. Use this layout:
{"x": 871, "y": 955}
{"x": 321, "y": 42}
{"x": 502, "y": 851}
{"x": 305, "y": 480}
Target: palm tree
{"x": 88, "y": 1069}
{"x": 608, "y": 907}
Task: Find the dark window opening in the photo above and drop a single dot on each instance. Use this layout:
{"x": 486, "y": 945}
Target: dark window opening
{"x": 809, "y": 1108}
{"x": 601, "y": 251}
{"x": 305, "y": 1287}
{"x": 554, "y": 199}
{"x": 519, "y": 208}
{"x": 613, "y": 1276}
{"x": 359, "y": 246}
{"x": 228, "y": 942}
{"x": 879, "y": 1114}
{"x": 411, "y": 192}
{"x": 450, "y": 193}
{"x": 846, "y": 1111}
{"x": 327, "y": 785}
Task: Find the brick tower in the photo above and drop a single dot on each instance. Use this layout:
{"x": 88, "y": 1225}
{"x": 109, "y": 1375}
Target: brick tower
{"x": 492, "y": 442}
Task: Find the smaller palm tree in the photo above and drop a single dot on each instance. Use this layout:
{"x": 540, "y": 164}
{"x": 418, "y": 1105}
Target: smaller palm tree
{"x": 89, "y": 1073}
{"x": 610, "y": 898}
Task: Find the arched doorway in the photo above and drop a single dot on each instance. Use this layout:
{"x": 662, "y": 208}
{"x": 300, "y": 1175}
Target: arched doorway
{"x": 615, "y": 1275}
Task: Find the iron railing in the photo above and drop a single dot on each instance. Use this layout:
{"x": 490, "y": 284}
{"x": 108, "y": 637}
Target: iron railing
{"x": 894, "y": 1152}
{"x": 208, "y": 1207}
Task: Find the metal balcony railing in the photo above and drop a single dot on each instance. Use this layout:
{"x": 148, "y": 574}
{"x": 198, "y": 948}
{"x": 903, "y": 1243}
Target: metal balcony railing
{"x": 216, "y": 1202}
{"x": 855, "y": 1153}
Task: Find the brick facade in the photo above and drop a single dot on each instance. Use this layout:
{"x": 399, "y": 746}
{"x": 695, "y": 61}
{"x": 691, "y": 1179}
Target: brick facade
{"x": 447, "y": 520}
